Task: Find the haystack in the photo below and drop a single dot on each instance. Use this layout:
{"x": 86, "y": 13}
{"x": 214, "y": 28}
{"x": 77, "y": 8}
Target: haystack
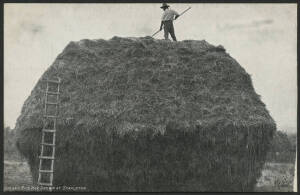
{"x": 139, "y": 114}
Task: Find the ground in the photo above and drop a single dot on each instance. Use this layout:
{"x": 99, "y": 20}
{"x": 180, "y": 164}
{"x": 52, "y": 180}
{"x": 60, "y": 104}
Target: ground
{"x": 17, "y": 176}
{"x": 275, "y": 177}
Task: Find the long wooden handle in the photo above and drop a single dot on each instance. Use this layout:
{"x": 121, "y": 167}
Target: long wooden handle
{"x": 185, "y": 11}
{"x": 155, "y": 33}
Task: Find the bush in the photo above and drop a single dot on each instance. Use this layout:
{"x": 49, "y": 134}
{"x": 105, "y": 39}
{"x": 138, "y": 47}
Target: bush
{"x": 10, "y": 149}
{"x": 282, "y": 148}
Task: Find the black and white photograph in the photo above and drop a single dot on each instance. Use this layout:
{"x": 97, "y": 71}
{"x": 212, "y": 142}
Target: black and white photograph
{"x": 150, "y": 97}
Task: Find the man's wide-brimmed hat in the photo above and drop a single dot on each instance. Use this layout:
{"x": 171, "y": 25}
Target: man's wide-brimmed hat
{"x": 164, "y": 5}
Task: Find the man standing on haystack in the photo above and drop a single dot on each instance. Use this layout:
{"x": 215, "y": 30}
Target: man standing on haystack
{"x": 167, "y": 21}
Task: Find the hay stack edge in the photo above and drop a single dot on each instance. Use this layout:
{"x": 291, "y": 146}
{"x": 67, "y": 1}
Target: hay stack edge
{"x": 139, "y": 114}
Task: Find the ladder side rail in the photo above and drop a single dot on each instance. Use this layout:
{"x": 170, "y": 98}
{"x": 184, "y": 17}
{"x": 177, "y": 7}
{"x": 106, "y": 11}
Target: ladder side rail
{"x": 52, "y": 160}
{"x": 51, "y": 177}
{"x": 56, "y": 109}
{"x": 57, "y": 99}
{"x": 54, "y": 134}
{"x": 45, "y": 107}
{"x": 46, "y": 99}
{"x": 43, "y": 134}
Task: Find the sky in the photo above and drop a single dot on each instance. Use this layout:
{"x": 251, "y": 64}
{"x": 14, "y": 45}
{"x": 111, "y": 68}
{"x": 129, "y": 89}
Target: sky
{"x": 261, "y": 37}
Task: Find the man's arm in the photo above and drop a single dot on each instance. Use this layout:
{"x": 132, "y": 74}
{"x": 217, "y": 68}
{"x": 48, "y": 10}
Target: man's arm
{"x": 161, "y": 25}
{"x": 176, "y": 14}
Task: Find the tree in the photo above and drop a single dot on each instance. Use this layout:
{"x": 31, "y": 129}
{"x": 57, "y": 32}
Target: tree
{"x": 10, "y": 149}
{"x": 282, "y": 149}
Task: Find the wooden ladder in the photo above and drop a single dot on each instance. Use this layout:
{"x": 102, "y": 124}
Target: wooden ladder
{"x": 47, "y": 155}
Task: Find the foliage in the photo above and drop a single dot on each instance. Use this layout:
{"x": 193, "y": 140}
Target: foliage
{"x": 276, "y": 177}
{"x": 282, "y": 148}
{"x": 10, "y": 149}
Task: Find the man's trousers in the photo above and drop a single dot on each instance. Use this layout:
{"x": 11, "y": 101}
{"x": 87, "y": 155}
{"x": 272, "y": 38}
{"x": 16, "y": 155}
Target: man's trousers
{"x": 169, "y": 28}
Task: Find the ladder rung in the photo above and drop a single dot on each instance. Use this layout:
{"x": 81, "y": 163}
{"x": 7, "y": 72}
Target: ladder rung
{"x": 49, "y": 130}
{"x": 45, "y": 184}
{"x": 47, "y": 144}
{"x": 52, "y": 81}
{"x": 52, "y": 93}
{"x": 52, "y": 103}
{"x": 46, "y": 157}
{"x": 46, "y": 171}
{"x": 50, "y": 116}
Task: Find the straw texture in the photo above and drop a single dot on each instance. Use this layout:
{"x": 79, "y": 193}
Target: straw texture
{"x": 139, "y": 114}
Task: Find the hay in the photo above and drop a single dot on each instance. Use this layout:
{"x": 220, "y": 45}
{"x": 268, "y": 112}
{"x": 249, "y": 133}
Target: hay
{"x": 151, "y": 115}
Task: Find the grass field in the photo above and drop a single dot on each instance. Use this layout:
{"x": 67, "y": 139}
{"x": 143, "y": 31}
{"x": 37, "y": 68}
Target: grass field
{"x": 17, "y": 176}
{"x": 276, "y": 177}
